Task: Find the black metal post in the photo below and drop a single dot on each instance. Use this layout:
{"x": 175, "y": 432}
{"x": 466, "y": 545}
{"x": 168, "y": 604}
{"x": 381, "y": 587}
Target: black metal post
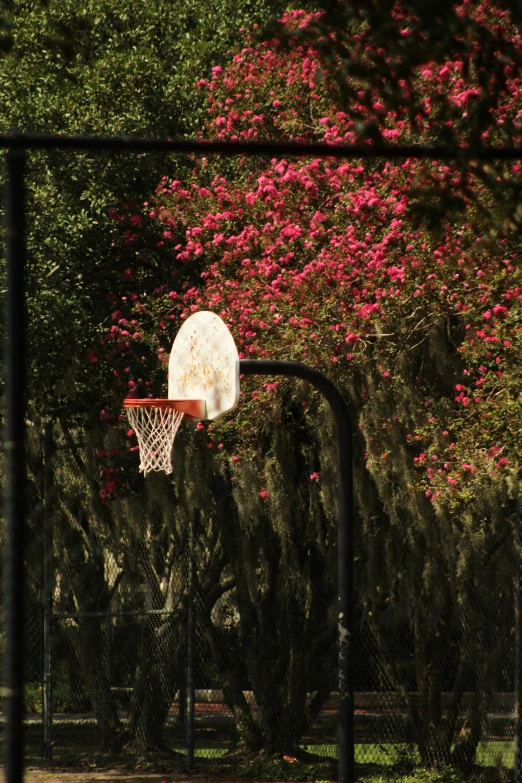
{"x": 15, "y": 468}
{"x": 345, "y": 543}
{"x": 49, "y": 495}
{"x": 108, "y": 648}
{"x": 190, "y": 648}
{"x": 518, "y": 646}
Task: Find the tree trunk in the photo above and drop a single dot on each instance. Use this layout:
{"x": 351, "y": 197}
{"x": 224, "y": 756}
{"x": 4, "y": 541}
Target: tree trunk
{"x": 427, "y": 725}
{"x": 475, "y": 723}
{"x": 87, "y": 641}
{"x": 249, "y": 734}
{"x": 159, "y": 676}
{"x": 432, "y": 637}
{"x": 297, "y": 717}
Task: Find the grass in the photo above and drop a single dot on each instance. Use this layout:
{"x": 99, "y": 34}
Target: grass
{"x": 489, "y": 754}
{"x": 498, "y": 754}
{"x": 376, "y": 763}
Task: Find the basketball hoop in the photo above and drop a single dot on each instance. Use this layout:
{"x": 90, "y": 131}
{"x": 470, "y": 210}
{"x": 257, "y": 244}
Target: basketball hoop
{"x": 156, "y": 423}
{"x": 203, "y": 383}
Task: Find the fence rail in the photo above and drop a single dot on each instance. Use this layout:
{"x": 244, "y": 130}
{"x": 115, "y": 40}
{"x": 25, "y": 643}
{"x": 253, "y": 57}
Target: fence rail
{"x": 363, "y": 700}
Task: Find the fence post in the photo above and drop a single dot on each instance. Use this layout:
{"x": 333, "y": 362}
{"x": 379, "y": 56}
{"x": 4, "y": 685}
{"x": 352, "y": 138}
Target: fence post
{"x": 190, "y": 647}
{"x": 49, "y": 498}
{"x": 108, "y": 647}
{"x": 518, "y": 646}
{"x": 15, "y": 484}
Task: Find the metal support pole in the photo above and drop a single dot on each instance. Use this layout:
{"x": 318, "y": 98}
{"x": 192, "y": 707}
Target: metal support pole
{"x": 518, "y": 646}
{"x": 14, "y": 615}
{"x": 49, "y": 495}
{"x": 344, "y": 545}
{"x": 108, "y": 648}
{"x": 190, "y": 648}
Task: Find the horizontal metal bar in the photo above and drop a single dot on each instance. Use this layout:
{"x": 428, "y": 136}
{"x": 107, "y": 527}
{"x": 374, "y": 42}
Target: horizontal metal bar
{"x": 369, "y": 701}
{"x": 289, "y": 148}
{"x": 139, "y": 613}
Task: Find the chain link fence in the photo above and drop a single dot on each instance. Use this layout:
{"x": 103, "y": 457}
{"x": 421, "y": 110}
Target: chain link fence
{"x": 156, "y": 665}
{"x": 142, "y": 659}
{"x": 143, "y": 684}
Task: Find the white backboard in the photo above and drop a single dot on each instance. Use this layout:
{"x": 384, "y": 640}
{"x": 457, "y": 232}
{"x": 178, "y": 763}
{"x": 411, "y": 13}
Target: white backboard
{"x": 204, "y": 364}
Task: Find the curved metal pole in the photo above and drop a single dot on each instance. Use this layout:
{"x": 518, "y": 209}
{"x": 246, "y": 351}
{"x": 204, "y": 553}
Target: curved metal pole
{"x": 191, "y": 627}
{"x": 344, "y": 542}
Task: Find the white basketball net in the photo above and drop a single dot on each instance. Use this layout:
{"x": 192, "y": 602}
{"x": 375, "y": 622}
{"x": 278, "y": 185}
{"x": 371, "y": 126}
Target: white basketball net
{"x": 155, "y": 429}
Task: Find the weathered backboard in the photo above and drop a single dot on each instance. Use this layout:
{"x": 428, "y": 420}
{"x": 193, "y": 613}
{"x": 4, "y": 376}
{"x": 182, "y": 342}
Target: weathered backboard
{"x": 204, "y": 364}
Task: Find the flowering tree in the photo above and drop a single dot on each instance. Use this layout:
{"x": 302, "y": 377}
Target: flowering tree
{"x": 401, "y": 280}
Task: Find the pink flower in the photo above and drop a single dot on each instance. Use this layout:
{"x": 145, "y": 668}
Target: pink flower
{"x": 263, "y": 494}
{"x": 351, "y": 337}
{"x": 314, "y": 476}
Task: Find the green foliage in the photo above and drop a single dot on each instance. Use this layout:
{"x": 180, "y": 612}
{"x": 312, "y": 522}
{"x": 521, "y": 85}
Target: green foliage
{"x": 420, "y": 775}
{"x": 33, "y": 697}
{"x": 98, "y": 67}
{"x": 292, "y": 769}
{"x": 286, "y": 768}
{"x": 64, "y": 699}
{"x": 122, "y": 68}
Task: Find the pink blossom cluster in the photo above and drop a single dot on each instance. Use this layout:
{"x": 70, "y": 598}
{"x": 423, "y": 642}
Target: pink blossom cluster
{"x": 319, "y": 260}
